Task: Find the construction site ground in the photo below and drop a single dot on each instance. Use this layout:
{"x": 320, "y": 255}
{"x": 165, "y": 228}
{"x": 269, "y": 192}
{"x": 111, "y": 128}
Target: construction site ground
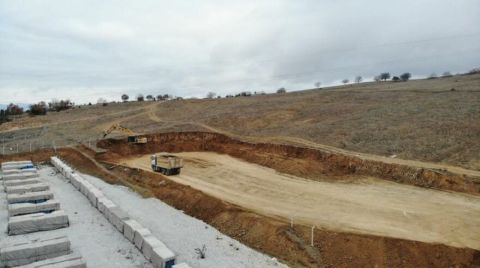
{"x": 90, "y": 233}
{"x": 368, "y": 206}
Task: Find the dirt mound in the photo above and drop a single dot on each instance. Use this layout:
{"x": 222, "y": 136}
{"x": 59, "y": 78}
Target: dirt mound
{"x": 305, "y": 162}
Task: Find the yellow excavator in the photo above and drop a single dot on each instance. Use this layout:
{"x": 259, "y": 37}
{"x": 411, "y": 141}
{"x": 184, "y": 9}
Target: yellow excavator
{"x": 132, "y": 136}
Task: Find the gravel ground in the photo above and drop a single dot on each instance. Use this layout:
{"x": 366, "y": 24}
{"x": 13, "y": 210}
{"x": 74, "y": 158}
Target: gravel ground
{"x": 182, "y": 233}
{"x": 102, "y": 245}
{"x": 90, "y": 234}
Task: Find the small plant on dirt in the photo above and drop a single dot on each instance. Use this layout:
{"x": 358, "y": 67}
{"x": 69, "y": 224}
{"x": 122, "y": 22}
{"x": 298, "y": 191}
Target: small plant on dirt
{"x": 201, "y": 252}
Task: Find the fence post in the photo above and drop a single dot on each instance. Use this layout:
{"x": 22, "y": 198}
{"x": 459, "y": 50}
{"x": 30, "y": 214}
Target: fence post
{"x": 54, "y": 148}
{"x": 311, "y": 240}
{"x": 17, "y": 148}
{"x": 30, "y": 146}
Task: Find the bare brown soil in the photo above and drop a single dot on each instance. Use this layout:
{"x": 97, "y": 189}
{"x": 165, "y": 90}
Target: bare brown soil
{"x": 303, "y": 162}
{"x": 270, "y": 235}
{"x": 366, "y": 205}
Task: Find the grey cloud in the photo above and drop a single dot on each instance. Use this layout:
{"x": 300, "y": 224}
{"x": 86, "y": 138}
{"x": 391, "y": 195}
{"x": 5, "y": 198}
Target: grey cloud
{"x": 91, "y": 49}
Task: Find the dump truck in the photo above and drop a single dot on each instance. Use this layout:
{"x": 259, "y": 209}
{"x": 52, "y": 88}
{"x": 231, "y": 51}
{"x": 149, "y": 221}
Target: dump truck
{"x": 166, "y": 164}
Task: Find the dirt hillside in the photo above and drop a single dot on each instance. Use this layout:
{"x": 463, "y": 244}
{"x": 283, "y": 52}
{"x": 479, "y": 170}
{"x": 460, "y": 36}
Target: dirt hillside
{"x": 418, "y": 120}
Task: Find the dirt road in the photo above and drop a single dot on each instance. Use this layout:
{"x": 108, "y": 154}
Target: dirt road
{"x": 372, "y": 207}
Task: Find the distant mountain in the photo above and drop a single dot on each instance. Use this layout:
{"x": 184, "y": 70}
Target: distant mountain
{"x": 25, "y": 106}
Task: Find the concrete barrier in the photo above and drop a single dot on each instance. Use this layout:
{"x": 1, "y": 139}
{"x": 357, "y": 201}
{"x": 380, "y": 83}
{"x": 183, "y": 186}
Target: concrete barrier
{"x": 181, "y": 265}
{"x": 139, "y": 237}
{"x": 28, "y": 188}
{"x": 153, "y": 249}
{"x": 21, "y": 182}
{"x": 162, "y": 256}
{"x": 117, "y": 216}
{"x": 75, "y": 180}
{"x": 8, "y": 163}
{"x": 129, "y": 228}
{"x": 94, "y": 195}
{"x": 19, "y": 171}
{"x": 33, "y": 197}
{"x": 37, "y": 222}
{"x": 26, "y": 253}
{"x": 28, "y": 208}
{"x": 65, "y": 261}
{"x": 103, "y": 204}
{"x": 149, "y": 243}
{"x": 20, "y": 176}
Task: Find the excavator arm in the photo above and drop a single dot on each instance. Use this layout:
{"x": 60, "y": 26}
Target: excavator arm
{"x": 132, "y": 136}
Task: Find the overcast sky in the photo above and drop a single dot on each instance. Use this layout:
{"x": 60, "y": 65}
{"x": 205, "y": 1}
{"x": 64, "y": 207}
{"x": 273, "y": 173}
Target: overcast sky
{"x": 85, "y": 50}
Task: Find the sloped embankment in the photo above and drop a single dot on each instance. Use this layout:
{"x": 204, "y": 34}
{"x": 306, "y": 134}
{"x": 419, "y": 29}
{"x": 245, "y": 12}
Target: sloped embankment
{"x": 305, "y": 162}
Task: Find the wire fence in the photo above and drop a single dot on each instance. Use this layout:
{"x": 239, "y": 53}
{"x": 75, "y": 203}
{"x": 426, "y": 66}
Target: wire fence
{"x": 26, "y": 144}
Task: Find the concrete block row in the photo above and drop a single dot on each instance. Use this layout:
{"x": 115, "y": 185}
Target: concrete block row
{"x": 153, "y": 249}
{"x": 33, "y": 251}
{"x": 31, "y": 208}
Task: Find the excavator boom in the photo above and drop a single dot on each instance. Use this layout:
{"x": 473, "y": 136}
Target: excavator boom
{"x": 132, "y": 136}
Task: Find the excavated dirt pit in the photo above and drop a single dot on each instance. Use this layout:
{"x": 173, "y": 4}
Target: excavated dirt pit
{"x": 250, "y": 191}
{"x": 368, "y": 205}
{"x": 339, "y": 194}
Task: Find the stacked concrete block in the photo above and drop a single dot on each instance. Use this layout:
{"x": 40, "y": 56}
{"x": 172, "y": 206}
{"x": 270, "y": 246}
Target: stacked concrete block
{"x": 26, "y": 188}
{"x": 76, "y": 180}
{"x": 162, "y": 256}
{"x": 140, "y": 236}
{"x": 33, "y": 251}
{"x": 17, "y": 165}
{"x": 33, "y": 197}
{"x": 18, "y": 176}
{"x": 104, "y": 205}
{"x": 37, "y": 222}
{"x": 19, "y": 171}
{"x": 21, "y": 182}
{"x": 94, "y": 195}
{"x": 129, "y": 228}
{"x": 181, "y": 265}
{"x": 29, "y": 208}
{"x": 66, "y": 261}
{"x": 85, "y": 187}
{"x": 149, "y": 243}
{"x": 117, "y": 217}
